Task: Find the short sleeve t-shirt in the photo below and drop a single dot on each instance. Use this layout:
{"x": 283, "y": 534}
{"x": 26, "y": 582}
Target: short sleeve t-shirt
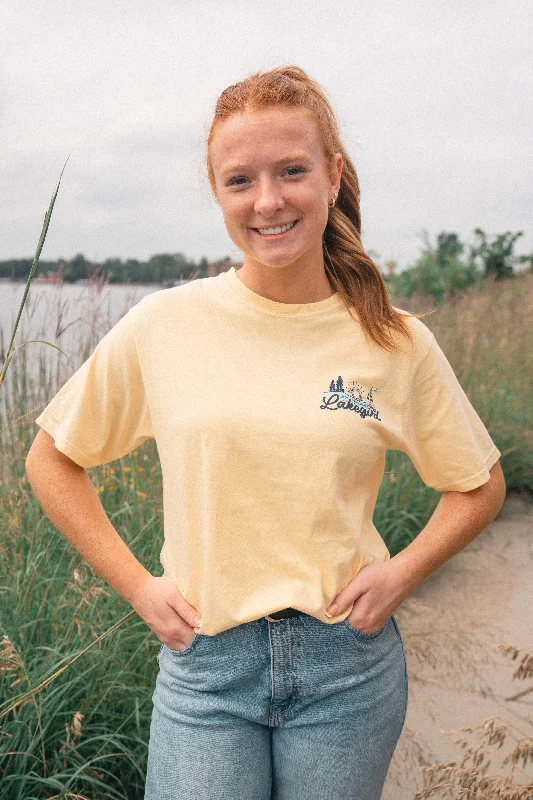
{"x": 271, "y": 421}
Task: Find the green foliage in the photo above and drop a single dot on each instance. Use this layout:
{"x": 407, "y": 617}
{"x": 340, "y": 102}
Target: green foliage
{"x": 441, "y": 273}
{"x": 496, "y": 256}
{"x": 527, "y": 259}
{"x": 449, "y": 248}
{"x": 86, "y": 732}
{"x": 438, "y": 273}
{"x": 203, "y": 266}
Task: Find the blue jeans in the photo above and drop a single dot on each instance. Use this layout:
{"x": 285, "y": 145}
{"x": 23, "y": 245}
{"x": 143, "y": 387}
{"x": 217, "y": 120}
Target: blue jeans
{"x": 295, "y": 709}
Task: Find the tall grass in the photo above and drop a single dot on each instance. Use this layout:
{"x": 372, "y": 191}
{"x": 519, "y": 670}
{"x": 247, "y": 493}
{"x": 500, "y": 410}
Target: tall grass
{"x": 487, "y": 337}
{"x": 485, "y": 770}
{"x": 77, "y": 666}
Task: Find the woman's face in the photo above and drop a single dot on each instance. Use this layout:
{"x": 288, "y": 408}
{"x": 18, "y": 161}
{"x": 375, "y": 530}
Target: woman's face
{"x": 270, "y": 171}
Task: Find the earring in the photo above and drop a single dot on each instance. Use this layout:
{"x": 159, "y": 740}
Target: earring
{"x": 333, "y": 201}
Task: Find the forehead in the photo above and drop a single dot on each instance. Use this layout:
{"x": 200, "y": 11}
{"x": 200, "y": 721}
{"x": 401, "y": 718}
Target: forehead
{"x": 267, "y": 134}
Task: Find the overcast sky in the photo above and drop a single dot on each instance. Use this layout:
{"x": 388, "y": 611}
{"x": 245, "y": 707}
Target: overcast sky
{"x": 433, "y": 100}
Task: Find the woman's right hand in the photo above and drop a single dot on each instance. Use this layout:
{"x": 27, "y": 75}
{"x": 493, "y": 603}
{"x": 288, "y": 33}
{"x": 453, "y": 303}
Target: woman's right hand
{"x": 162, "y": 606}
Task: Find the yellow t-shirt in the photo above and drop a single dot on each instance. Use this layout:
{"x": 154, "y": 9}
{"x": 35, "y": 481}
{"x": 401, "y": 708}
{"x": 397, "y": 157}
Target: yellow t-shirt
{"x": 271, "y": 422}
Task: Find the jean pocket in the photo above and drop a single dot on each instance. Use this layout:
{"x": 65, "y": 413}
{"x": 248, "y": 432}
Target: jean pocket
{"x": 397, "y": 629}
{"x": 361, "y": 634}
{"x": 186, "y": 650}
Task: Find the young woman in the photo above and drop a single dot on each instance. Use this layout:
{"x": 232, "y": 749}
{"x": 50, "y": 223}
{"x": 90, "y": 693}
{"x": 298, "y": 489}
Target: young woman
{"x": 273, "y": 393}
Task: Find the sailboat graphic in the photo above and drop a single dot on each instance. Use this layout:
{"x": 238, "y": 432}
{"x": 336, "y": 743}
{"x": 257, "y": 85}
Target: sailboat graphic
{"x": 351, "y": 399}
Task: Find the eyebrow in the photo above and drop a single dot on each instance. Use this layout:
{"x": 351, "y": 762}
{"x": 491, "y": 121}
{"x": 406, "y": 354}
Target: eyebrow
{"x": 298, "y": 156}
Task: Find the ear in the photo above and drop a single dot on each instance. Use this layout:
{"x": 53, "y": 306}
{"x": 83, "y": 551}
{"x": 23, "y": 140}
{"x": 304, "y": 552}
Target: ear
{"x": 336, "y": 173}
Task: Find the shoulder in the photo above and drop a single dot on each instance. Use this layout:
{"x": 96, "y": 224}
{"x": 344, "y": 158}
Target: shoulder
{"x": 422, "y": 337}
{"x": 186, "y": 296}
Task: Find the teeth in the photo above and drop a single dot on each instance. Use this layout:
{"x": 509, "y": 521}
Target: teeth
{"x": 271, "y": 231}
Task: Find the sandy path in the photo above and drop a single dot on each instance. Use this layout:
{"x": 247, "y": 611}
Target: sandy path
{"x": 450, "y": 626}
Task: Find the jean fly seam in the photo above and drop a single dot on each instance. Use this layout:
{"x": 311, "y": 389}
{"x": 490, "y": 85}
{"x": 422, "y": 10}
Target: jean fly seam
{"x": 295, "y": 694}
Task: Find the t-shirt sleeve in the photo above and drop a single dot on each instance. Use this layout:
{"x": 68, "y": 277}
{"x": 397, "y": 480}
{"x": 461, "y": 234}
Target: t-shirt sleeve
{"x": 101, "y": 413}
{"x": 441, "y": 432}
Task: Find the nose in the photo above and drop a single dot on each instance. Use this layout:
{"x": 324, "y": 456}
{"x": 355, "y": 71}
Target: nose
{"x": 269, "y": 197}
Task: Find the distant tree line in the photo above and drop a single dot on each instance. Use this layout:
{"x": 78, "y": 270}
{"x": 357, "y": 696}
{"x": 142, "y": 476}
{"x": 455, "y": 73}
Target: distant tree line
{"x": 159, "y": 268}
{"x": 442, "y": 271}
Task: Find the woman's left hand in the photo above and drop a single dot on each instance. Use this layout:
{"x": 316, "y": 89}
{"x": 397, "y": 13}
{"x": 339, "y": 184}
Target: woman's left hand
{"x": 376, "y": 592}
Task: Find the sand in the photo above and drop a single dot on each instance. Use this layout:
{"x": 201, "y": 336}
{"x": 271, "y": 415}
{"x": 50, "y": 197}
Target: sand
{"x": 450, "y": 627}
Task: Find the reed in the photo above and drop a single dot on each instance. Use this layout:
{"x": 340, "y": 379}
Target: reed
{"x": 40, "y": 243}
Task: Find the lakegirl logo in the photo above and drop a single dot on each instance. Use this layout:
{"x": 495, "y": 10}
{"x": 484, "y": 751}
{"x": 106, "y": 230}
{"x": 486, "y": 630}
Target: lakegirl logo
{"x": 351, "y": 399}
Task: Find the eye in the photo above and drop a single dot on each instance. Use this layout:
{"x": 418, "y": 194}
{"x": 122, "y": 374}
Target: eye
{"x": 236, "y": 181}
{"x": 296, "y": 170}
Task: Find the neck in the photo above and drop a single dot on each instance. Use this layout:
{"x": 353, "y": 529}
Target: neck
{"x": 289, "y": 284}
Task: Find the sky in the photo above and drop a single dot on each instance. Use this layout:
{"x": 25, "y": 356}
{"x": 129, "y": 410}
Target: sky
{"x": 433, "y": 100}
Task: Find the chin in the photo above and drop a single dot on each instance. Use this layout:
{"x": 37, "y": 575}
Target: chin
{"x": 271, "y": 258}
{"x": 274, "y": 263}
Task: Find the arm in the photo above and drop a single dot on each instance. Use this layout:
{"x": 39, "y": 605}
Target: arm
{"x": 378, "y": 589}
{"x": 69, "y": 499}
{"x": 458, "y": 518}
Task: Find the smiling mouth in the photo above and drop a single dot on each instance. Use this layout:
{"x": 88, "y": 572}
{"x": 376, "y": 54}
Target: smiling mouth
{"x": 275, "y": 230}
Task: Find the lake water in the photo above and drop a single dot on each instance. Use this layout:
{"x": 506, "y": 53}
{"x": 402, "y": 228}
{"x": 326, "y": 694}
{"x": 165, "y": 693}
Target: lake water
{"x": 66, "y": 315}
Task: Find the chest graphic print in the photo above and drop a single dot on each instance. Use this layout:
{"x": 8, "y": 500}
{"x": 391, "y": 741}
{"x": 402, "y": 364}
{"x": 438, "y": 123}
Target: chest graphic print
{"x": 351, "y": 399}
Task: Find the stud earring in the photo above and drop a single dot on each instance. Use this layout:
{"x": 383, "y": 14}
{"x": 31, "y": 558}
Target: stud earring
{"x": 333, "y": 201}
